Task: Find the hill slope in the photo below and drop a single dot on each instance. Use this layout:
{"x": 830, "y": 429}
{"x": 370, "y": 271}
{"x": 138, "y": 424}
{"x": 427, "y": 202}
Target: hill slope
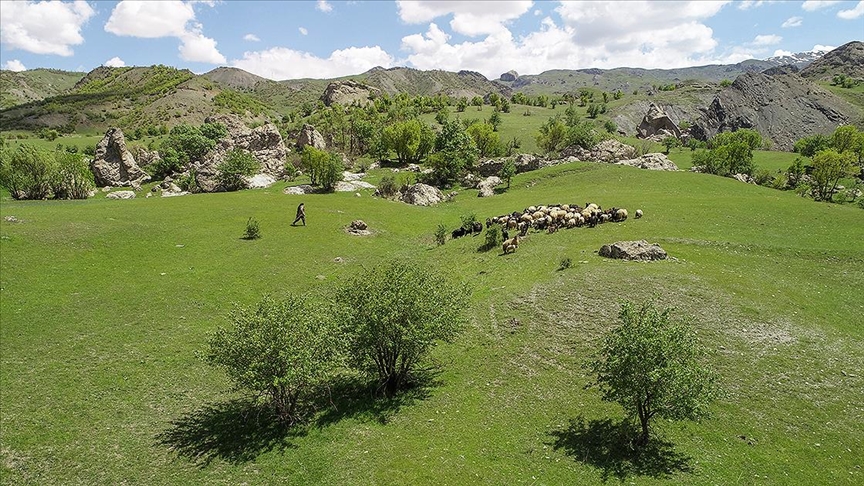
{"x": 33, "y": 85}
{"x": 847, "y": 59}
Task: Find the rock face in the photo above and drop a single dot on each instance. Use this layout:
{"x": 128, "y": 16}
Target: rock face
{"x": 633, "y": 250}
{"x": 509, "y": 76}
{"x": 347, "y": 92}
{"x": 487, "y": 186}
{"x": 310, "y": 136}
{"x": 422, "y": 195}
{"x": 651, "y": 162}
{"x": 657, "y": 125}
{"x": 782, "y": 107}
{"x": 609, "y": 151}
{"x": 847, "y": 59}
{"x": 264, "y": 143}
{"x": 113, "y": 164}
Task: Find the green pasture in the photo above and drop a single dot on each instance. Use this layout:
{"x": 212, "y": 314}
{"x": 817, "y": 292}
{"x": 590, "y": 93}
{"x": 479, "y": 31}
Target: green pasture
{"x": 105, "y": 303}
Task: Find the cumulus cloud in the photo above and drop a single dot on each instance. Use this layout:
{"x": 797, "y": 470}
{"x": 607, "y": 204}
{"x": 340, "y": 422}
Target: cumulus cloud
{"x": 821, "y": 48}
{"x": 281, "y": 63}
{"x": 324, "y": 6}
{"x": 469, "y": 18}
{"x": 14, "y": 65}
{"x": 748, "y": 4}
{"x": 793, "y": 22}
{"x": 781, "y": 53}
{"x": 44, "y": 27}
{"x": 114, "y": 62}
{"x": 303, "y": 30}
{"x": 813, "y": 5}
{"x": 766, "y": 40}
{"x": 151, "y": 20}
{"x": 852, "y": 13}
{"x": 251, "y": 38}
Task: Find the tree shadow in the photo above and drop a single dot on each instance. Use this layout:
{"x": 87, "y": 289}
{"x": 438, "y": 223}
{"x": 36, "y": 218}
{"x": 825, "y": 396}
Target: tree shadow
{"x": 609, "y": 446}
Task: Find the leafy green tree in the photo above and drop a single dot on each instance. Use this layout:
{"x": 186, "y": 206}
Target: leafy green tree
{"x": 829, "y": 166}
{"x": 455, "y": 152}
{"x": 671, "y": 142}
{"x": 808, "y": 146}
{"x": 488, "y": 142}
{"x": 582, "y": 134}
{"x": 393, "y": 314}
{"x": 324, "y": 168}
{"x": 29, "y": 173}
{"x": 284, "y": 350}
{"x": 73, "y": 178}
{"x": 412, "y": 140}
{"x": 461, "y": 104}
{"x": 653, "y": 367}
{"x": 508, "y": 170}
{"x": 732, "y": 158}
{"x": 848, "y": 138}
{"x": 442, "y": 115}
{"x": 477, "y": 101}
{"x": 747, "y": 136}
{"x": 553, "y": 134}
{"x": 238, "y": 165}
{"x": 593, "y": 110}
{"x": 189, "y": 142}
{"x": 495, "y": 120}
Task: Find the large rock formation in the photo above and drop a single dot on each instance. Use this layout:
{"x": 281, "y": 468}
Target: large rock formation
{"x": 509, "y": 76}
{"x": 783, "y": 107}
{"x": 264, "y": 143}
{"x": 310, "y": 137}
{"x": 656, "y": 124}
{"x": 609, "y": 151}
{"x": 633, "y": 250}
{"x": 113, "y": 164}
{"x": 422, "y": 195}
{"x": 347, "y": 92}
{"x": 653, "y": 161}
{"x": 847, "y": 59}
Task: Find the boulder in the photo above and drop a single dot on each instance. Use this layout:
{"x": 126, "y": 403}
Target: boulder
{"x": 259, "y": 181}
{"x": 352, "y": 186}
{"x": 358, "y": 224}
{"x": 527, "y": 162}
{"x": 487, "y": 186}
{"x": 471, "y": 180}
{"x": 121, "y": 195}
{"x": 422, "y": 195}
{"x": 358, "y": 228}
{"x": 347, "y": 92}
{"x": 301, "y": 189}
{"x": 113, "y": 164}
{"x": 743, "y": 178}
{"x": 633, "y": 250}
{"x": 655, "y": 161}
{"x": 488, "y": 168}
{"x": 657, "y": 124}
{"x": 310, "y": 136}
{"x": 509, "y": 76}
{"x": 609, "y": 151}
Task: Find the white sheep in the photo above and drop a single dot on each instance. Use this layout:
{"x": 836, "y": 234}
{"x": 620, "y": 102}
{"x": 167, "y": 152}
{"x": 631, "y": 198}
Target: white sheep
{"x": 510, "y": 245}
{"x": 638, "y": 213}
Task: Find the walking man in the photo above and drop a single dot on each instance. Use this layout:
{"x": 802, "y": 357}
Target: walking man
{"x": 301, "y": 215}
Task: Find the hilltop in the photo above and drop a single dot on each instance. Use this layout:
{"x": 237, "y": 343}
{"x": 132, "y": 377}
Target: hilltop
{"x": 17, "y": 88}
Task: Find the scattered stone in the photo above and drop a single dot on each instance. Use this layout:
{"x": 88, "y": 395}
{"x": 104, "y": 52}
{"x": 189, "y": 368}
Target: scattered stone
{"x": 633, "y": 250}
{"x": 358, "y": 224}
{"x": 11, "y": 219}
{"x": 655, "y": 161}
{"x": 358, "y": 228}
{"x": 259, "y": 181}
{"x": 422, "y": 195}
{"x": 487, "y": 186}
{"x": 338, "y": 260}
{"x": 299, "y": 190}
{"x": 343, "y": 186}
{"x": 121, "y": 195}
{"x": 353, "y": 176}
{"x": 356, "y": 194}
{"x": 744, "y": 178}
{"x": 470, "y": 180}
{"x": 113, "y": 164}
{"x": 320, "y": 277}
{"x": 609, "y": 151}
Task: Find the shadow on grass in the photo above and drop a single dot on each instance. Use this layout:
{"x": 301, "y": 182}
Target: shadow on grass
{"x": 608, "y": 446}
{"x": 238, "y": 431}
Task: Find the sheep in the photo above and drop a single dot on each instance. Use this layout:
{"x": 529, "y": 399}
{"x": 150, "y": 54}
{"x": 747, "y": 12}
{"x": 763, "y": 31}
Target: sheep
{"x": 620, "y": 215}
{"x": 523, "y": 228}
{"x": 511, "y": 224}
{"x": 488, "y": 223}
{"x": 505, "y": 235}
{"x": 476, "y": 227}
{"x": 458, "y": 233}
{"x": 510, "y": 244}
{"x": 638, "y": 213}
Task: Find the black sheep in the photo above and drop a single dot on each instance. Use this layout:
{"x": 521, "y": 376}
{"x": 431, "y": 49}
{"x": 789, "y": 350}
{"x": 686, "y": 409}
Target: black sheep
{"x": 458, "y": 233}
{"x": 477, "y": 227}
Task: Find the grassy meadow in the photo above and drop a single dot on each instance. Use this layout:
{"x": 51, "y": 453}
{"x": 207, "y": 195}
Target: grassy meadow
{"x": 105, "y": 304}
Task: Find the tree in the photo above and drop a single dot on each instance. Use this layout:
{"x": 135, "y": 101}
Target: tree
{"x": 73, "y": 178}
{"x": 393, "y": 314}
{"x": 553, "y": 134}
{"x": 508, "y": 170}
{"x": 847, "y": 138}
{"x": 29, "y": 173}
{"x": 461, "y": 104}
{"x": 455, "y": 151}
{"x": 829, "y": 167}
{"x": 653, "y": 367}
{"x": 495, "y": 120}
{"x": 284, "y": 350}
{"x": 238, "y": 165}
{"x": 324, "y": 168}
{"x": 808, "y": 146}
{"x": 486, "y": 139}
{"x": 411, "y": 140}
{"x": 671, "y": 142}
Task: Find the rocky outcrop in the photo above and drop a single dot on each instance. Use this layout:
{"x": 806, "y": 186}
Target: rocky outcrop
{"x": 310, "y": 137}
{"x": 509, "y": 76}
{"x": 121, "y": 195}
{"x": 523, "y": 163}
{"x": 487, "y": 186}
{"x": 298, "y": 190}
{"x": 633, "y": 250}
{"x": 653, "y": 161}
{"x": 656, "y": 124}
{"x": 609, "y": 151}
{"x": 783, "y": 107}
{"x": 422, "y": 195}
{"x": 113, "y": 164}
{"x": 347, "y": 92}
{"x": 847, "y": 59}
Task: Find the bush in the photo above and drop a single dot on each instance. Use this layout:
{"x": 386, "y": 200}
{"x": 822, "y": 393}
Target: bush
{"x": 394, "y": 314}
{"x": 763, "y": 177}
{"x": 29, "y": 173}
{"x": 829, "y": 167}
{"x": 324, "y": 168}
{"x": 441, "y": 234}
{"x": 508, "y": 170}
{"x": 167, "y": 164}
{"x": 565, "y": 264}
{"x": 388, "y": 186}
{"x": 237, "y": 165}
{"x": 253, "y": 230}
{"x": 286, "y": 351}
{"x": 73, "y": 179}
{"x": 494, "y": 238}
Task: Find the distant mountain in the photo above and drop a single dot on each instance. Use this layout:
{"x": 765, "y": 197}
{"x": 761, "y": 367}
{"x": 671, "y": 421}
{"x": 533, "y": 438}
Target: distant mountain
{"x": 234, "y": 78}
{"x": 429, "y": 83}
{"x": 33, "y": 85}
{"x": 847, "y": 59}
{"x": 799, "y": 60}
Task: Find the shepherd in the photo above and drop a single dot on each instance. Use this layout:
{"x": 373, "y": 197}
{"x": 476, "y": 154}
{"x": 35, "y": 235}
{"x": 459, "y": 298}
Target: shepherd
{"x": 301, "y": 215}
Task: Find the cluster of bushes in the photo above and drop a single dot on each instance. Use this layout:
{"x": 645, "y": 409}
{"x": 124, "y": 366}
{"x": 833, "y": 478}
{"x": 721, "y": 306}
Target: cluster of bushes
{"x": 185, "y": 144}
{"x": 31, "y": 173}
{"x": 324, "y": 168}
{"x": 380, "y": 324}
{"x": 831, "y": 158}
{"x": 558, "y": 133}
{"x": 729, "y": 153}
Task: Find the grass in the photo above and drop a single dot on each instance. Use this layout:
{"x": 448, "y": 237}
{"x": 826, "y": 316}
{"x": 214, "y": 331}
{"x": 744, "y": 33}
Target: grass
{"x": 105, "y": 303}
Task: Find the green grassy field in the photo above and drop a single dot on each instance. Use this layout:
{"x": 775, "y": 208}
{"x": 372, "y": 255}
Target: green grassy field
{"x": 105, "y": 303}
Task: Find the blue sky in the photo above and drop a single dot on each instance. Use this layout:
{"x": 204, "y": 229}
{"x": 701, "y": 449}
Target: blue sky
{"x": 324, "y": 39}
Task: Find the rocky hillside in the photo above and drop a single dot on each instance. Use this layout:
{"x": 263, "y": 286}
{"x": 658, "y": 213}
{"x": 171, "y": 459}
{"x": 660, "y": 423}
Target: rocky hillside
{"x": 17, "y": 88}
{"x": 847, "y": 59}
{"x": 429, "y": 83}
{"x": 235, "y": 78}
{"x": 778, "y": 103}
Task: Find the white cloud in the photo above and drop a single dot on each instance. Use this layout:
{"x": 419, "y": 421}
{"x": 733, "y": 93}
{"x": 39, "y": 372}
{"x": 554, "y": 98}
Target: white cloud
{"x": 821, "y": 48}
{"x": 43, "y": 27}
{"x": 766, "y": 40}
{"x": 251, "y": 38}
{"x": 469, "y": 18}
{"x": 151, "y": 20}
{"x": 813, "y": 5}
{"x": 281, "y": 63}
{"x": 14, "y": 65}
{"x": 114, "y": 62}
{"x": 538, "y": 12}
{"x": 324, "y": 6}
{"x": 852, "y": 13}
{"x": 792, "y": 22}
{"x": 781, "y": 53}
{"x": 748, "y": 4}
{"x": 303, "y": 30}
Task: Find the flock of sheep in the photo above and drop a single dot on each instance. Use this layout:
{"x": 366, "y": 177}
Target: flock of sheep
{"x": 546, "y": 218}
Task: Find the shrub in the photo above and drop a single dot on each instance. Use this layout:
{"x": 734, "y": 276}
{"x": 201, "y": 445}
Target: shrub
{"x": 167, "y": 164}
{"x": 188, "y": 181}
{"x": 468, "y": 219}
{"x": 610, "y": 126}
{"x": 29, "y": 173}
{"x": 829, "y": 167}
{"x": 324, "y": 168}
{"x": 565, "y": 264}
{"x": 286, "y": 351}
{"x": 494, "y": 237}
{"x": 238, "y": 165}
{"x": 441, "y": 234}
{"x": 388, "y": 186}
{"x": 808, "y": 146}
{"x": 253, "y": 230}
{"x": 508, "y": 170}
{"x": 73, "y": 179}
{"x": 763, "y": 177}
{"x": 394, "y": 314}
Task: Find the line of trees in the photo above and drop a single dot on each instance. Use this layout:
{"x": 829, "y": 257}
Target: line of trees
{"x": 31, "y": 173}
